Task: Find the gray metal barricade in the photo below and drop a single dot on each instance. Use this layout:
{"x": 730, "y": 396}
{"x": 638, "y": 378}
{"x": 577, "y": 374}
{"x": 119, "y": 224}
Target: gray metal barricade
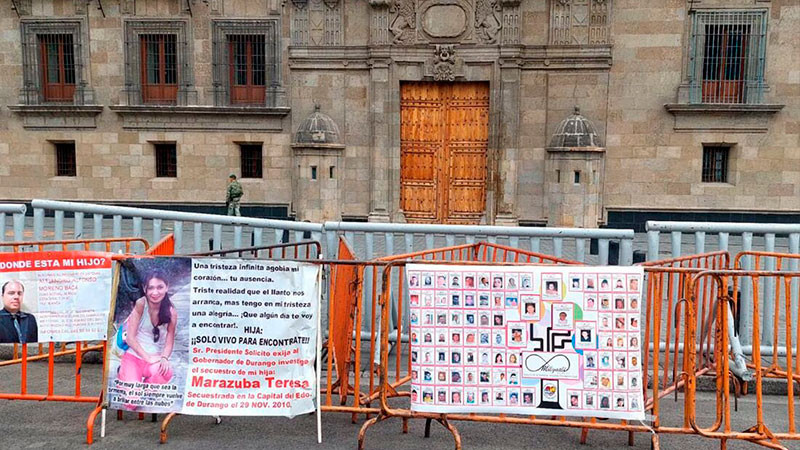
{"x": 370, "y": 240}
{"x": 375, "y": 240}
{"x": 17, "y": 213}
{"x": 220, "y": 231}
{"x": 700, "y": 237}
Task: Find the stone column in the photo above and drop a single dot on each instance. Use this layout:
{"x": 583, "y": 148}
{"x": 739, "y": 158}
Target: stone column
{"x": 508, "y": 142}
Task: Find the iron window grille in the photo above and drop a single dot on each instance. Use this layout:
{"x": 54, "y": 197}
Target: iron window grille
{"x": 158, "y": 63}
{"x": 727, "y": 54}
{"x": 166, "y": 160}
{"x": 246, "y": 62}
{"x": 58, "y": 67}
{"x": 66, "y": 165}
{"x": 159, "y": 68}
{"x": 715, "y": 164}
{"x": 52, "y": 63}
{"x": 251, "y": 160}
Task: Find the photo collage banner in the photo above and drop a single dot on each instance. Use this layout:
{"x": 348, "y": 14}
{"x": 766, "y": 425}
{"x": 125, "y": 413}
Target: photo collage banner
{"x": 550, "y": 340}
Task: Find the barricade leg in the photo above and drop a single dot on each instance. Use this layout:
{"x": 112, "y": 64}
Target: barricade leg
{"x": 362, "y": 433}
{"x": 164, "y": 426}
{"x": 90, "y": 423}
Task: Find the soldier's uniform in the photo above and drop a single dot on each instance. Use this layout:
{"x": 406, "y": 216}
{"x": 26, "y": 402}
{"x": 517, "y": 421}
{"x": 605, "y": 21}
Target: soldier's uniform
{"x": 234, "y": 194}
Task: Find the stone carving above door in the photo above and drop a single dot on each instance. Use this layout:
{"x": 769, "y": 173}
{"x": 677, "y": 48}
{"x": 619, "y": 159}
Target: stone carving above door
{"x": 404, "y": 21}
{"x": 579, "y": 22}
{"x": 487, "y": 21}
{"x": 444, "y": 65}
{"x": 444, "y": 21}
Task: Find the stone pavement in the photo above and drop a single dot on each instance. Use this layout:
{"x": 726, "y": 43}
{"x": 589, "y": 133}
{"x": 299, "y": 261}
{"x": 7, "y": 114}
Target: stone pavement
{"x": 28, "y": 425}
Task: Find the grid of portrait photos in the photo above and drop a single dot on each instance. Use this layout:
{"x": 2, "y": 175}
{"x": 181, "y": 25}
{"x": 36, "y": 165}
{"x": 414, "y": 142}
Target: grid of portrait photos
{"x": 526, "y": 339}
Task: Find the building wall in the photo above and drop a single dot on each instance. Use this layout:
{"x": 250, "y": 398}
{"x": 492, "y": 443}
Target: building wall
{"x": 650, "y": 165}
{"x": 353, "y": 70}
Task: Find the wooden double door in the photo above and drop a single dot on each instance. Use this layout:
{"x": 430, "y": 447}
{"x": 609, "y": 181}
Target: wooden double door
{"x": 444, "y": 138}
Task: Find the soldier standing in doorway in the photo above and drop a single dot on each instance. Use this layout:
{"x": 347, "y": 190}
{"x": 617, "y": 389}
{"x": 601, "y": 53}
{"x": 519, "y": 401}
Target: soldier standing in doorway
{"x": 234, "y": 194}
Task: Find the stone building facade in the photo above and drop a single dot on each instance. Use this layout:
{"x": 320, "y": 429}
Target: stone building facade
{"x": 408, "y": 110}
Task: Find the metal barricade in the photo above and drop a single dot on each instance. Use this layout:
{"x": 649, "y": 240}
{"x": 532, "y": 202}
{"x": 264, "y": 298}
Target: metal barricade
{"x": 20, "y": 353}
{"x": 17, "y": 212}
{"x": 293, "y": 250}
{"x": 785, "y": 301}
{"x": 667, "y": 283}
{"x": 726, "y": 236}
{"x": 370, "y": 240}
{"x": 190, "y": 229}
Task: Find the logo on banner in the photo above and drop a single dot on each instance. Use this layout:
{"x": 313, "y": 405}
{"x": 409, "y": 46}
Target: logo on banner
{"x": 550, "y": 365}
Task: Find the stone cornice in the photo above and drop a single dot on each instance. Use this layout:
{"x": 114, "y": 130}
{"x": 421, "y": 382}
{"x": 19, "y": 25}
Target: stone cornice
{"x": 680, "y": 108}
{"x": 156, "y": 117}
{"x": 541, "y": 57}
{"x": 49, "y": 116}
{"x": 200, "y": 109}
{"x": 730, "y": 118}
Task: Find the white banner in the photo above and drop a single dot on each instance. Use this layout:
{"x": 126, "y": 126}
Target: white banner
{"x": 533, "y": 340}
{"x": 54, "y": 296}
{"x": 238, "y": 337}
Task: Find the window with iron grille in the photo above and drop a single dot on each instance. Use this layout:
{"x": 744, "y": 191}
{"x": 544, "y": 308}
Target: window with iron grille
{"x": 715, "y": 164}
{"x": 727, "y": 55}
{"x": 158, "y": 63}
{"x": 166, "y": 160}
{"x": 52, "y": 63}
{"x": 66, "y": 165}
{"x": 252, "y": 160}
{"x": 58, "y": 67}
{"x": 159, "y": 68}
{"x": 246, "y": 66}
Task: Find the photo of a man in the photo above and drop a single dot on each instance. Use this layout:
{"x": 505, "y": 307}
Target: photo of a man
{"x": 16, "y": 326}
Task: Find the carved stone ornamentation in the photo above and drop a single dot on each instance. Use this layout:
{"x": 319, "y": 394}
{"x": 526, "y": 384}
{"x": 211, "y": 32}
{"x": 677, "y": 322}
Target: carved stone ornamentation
{"x": 317, "y": 22}
{"x": 483, "y": 22}
{"x": 487, "y": 21}
{"x": 579, "y": 22}
{"x": 444, "y": 63}
{"x": 127, "y": 6}
{"x": 404, "y": 23}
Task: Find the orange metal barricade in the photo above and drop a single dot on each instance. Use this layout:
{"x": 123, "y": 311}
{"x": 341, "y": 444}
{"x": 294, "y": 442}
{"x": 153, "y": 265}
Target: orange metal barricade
{"x": 346, "y": 288}
{"x": 667, "y": 284}
{"x": 20, "y": 352}
{"x": 785, "y": 303}
{"x": 164, "y": 247}
{"x": 779, "y": 261}
{"x": 350, "y": 290}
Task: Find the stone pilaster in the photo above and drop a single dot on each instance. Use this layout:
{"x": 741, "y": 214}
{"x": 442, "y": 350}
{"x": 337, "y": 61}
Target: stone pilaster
{"x": 508, "y": 149}
{"x": 380, "y": 140}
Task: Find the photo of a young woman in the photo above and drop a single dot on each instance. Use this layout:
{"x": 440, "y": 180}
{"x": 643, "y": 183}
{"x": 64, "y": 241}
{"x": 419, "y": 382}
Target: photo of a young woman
{"x": 150, "y": 334}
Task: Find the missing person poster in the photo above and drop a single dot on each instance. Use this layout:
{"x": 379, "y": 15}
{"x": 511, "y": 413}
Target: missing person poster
{"x": 550, "y": 340}
{"x": 54, "y": 296}
{"x": 215, "y": 336}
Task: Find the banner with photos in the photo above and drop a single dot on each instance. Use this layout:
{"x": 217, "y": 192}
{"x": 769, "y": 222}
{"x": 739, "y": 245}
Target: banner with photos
{"x": 550, "y": 340}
